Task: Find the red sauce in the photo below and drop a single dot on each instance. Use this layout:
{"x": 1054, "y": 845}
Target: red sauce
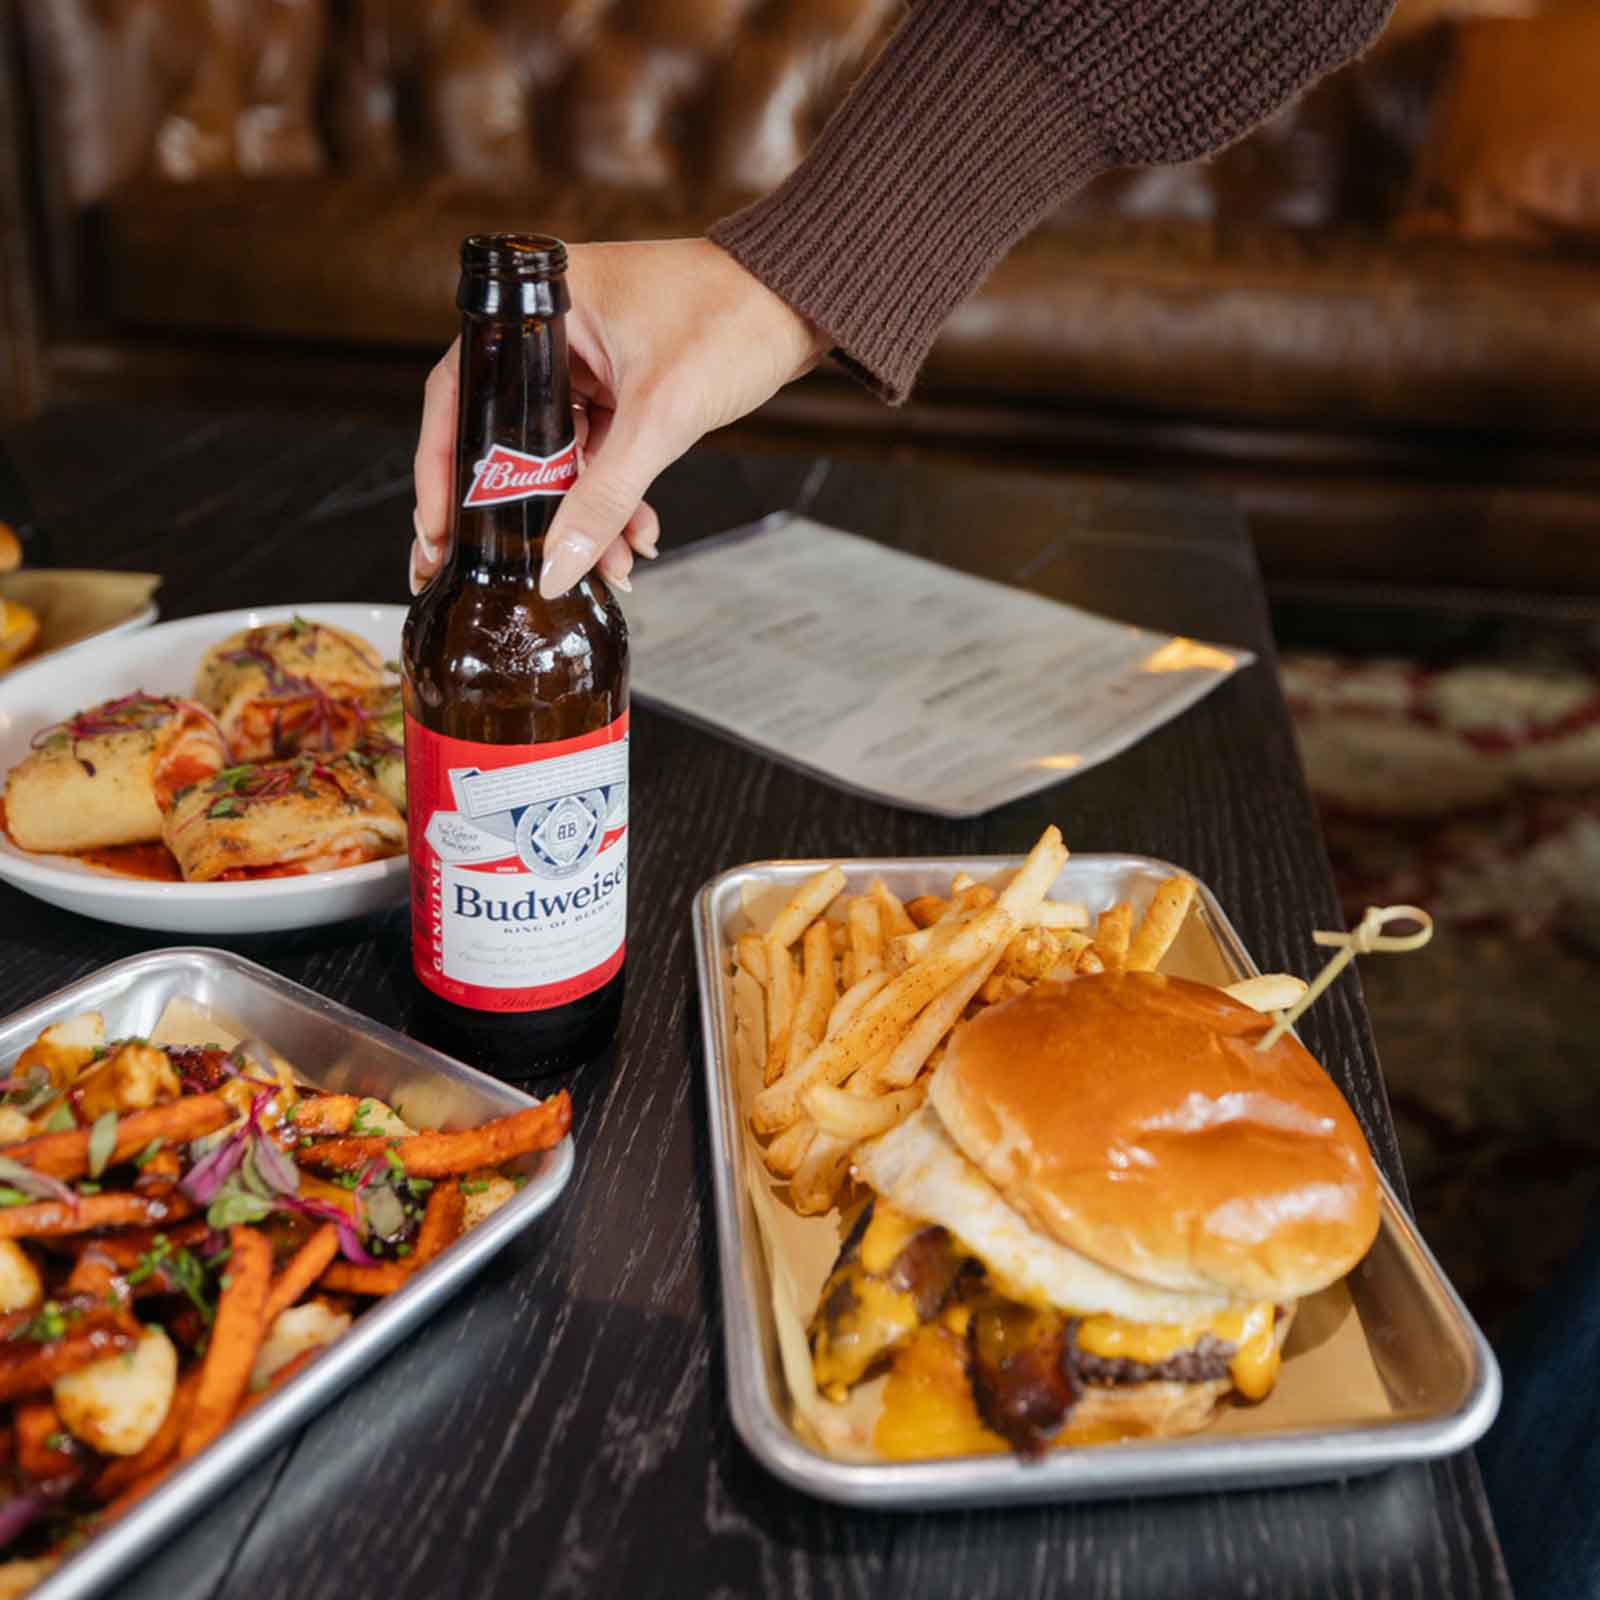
{"x": 150, "y": 861}
{"x": 179, "y": 773}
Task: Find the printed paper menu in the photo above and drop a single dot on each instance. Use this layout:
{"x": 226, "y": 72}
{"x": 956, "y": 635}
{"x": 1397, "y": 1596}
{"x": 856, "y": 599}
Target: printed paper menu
{"x": 897, "y": 677}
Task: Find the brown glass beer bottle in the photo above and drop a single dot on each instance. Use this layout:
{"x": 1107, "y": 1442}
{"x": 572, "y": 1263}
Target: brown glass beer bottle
{"x": 516, "y": 710}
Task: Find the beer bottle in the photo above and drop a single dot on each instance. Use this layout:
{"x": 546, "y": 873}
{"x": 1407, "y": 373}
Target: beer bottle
{"x": 516, "y": 709}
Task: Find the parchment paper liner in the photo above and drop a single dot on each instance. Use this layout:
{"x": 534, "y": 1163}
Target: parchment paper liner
{"x": 1328, "y": 1376}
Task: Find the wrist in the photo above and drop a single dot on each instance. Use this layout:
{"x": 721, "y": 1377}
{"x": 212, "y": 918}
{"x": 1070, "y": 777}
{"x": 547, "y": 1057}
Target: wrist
{"x": 793, "y": 337}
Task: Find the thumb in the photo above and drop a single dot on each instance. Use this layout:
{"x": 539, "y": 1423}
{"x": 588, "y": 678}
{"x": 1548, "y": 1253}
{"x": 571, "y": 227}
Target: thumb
{"x": 599, "y": 504}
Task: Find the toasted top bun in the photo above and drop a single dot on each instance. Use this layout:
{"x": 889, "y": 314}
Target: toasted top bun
{"x": 1132, "y": 1118}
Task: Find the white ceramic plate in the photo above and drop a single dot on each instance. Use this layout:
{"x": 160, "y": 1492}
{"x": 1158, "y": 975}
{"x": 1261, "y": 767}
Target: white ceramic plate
{"x": 163, "y": 660}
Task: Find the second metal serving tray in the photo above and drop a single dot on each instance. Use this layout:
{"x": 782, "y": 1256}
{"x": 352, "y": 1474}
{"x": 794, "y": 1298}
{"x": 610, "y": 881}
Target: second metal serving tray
{"x": 339, "y": 1050}
{"x": 1440, "y": 1376}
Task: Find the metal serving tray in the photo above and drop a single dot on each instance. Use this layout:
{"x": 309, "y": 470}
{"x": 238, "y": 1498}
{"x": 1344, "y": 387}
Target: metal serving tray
{"x": 336, "y": 1049}
{"x": 1439, "y": 1373}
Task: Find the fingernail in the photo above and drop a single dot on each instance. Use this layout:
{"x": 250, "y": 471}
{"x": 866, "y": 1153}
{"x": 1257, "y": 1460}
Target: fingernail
{"x": 422, "y": 566}
{"x": 619, "y": 582}
{"x": 649, "y": 550}
{"x": 566, "y": 562}
{"x": 430, "y": 548}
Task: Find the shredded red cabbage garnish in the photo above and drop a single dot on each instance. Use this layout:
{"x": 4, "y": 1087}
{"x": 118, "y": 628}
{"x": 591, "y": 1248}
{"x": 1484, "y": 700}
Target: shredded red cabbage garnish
{"x": 20, "y": 1513}
{"x": 349, "y": 1240}
{"x": 39, "y": 1184}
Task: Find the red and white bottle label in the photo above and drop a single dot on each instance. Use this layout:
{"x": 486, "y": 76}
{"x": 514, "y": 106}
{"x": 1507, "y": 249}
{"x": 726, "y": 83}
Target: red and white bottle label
{"x": 519, "y": 866}
{"x": 505, "y": 475}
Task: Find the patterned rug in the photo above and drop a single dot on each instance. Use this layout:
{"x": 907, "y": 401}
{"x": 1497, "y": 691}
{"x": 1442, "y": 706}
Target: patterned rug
{"x": 1472, "y": 787}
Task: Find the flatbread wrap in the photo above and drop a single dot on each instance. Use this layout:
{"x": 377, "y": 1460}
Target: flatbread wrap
{"x": 290, "y": 687}
{"x": 105, "y": 775}
{"x": 281, "y": 819}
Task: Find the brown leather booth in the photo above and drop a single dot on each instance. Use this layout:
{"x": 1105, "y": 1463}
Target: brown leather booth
{"x": 1376, "y": 322}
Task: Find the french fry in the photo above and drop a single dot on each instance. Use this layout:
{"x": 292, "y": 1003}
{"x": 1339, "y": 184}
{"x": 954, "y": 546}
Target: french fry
{"x": 752, "y": 956}
{"x": 441, "y": 1225}
{"x": 28, "y": 1366}
{"x": 926, "y": 909}
{"x": 806, "y": 904}
{"x": 881, "y": 1021}
{"x": 39, "y": 1428}
{"x": 1002, "y": 986}
{"x": 66, "y": 1155}
{"x": 1089, "y": 962}
{"x": 848, "y": 1006}
{"x": 788, "y": 1150}
{"x": 300, "y": 1272}
{"x": 817, "y": 995}
{"x": 319, "y": 1115}
{"x": 972, "y": 897}
{"x": 1034, "y": 877}
{"x": 1272, "y": 991}
{"x": 911, "y": 1054}
{"x": 1058, "y": 914}
{"x": 47, "y": 1218}
{"x": 890, "y": 910}
{"x": 1169, "y": 906}
{"x": 866, "y": 937}
{"x": 813, "y": 1188}
{"x": 750, "y": 1025}
{"x": 783, "y": 993}
{"x": 962, "y": 880}
{"x": 843, "y": 1115}
{"x": 839, "y": 937}
{"x": 448, "y": 1155}
{"x": 1112, "y": 932}
{"x": 1031, "y": 954}
{"x": 236, "y": 1335}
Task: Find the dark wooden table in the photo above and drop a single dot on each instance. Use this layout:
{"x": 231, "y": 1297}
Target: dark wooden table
{"x": 562, "y": 1429}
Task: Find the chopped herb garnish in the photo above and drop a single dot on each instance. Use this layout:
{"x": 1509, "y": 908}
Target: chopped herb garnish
{"x": 49, "y": 1323}
{"x": 61, "y": 1120}
{"x": 31, "y": 1090}
{"x": 474, "y": 1185}
{"x": 396, "y": 1165}
{"x": 58, "y": 1441}
{"x": 359, "y": 1126}
{"x": 402, "y": 1249}
{"x": 88, "y": 1188}
{"x": 150, "y": 1150}
{"x": 13, "y": 1197}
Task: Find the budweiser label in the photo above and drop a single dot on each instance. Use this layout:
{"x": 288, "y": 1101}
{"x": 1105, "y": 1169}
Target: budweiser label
{"x": 505, "y": 475}
{"x": 519, "y": 866}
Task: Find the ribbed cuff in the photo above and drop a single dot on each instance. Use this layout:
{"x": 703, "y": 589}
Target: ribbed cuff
{"x": 955, "y": 142}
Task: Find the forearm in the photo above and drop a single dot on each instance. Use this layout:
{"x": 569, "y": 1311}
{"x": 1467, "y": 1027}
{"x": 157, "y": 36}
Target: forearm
{"x": 981, "y": 116}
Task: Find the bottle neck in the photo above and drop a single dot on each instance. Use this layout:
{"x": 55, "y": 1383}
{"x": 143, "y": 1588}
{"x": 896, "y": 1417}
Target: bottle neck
{"x": 515, "y": 391}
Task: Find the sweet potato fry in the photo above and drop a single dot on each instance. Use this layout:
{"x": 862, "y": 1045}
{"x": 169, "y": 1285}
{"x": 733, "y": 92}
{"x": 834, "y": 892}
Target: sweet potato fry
{"x": 448, "y": 1155}
{"x": 123, "y": 1471}
{"x": 46, "y": 1217}
{"x": 27, "y": 1365}
{"x": 136, "y": 1491}
{"x": 66, "y": 1155}
{"x": 39, "y": 1427}
{"x": 301, "y": 1271}
{"x": 290, "y": 1369}
{"x": 441, "y": 1226}
{"x": 319, "y": 1115}
{"x": 235, "y": 1336}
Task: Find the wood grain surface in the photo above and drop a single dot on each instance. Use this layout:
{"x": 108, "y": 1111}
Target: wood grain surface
{"x": 561, "y": 1429}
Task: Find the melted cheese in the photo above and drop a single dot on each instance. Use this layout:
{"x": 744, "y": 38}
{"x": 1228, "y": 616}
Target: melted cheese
{"x": 888, "y": 1233}
{"x": 1253, "y": 1369}
{"x": 928, "y": 1410}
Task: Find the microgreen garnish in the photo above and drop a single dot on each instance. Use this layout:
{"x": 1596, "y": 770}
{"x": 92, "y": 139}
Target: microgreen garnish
{"x": 102, "y": 1142}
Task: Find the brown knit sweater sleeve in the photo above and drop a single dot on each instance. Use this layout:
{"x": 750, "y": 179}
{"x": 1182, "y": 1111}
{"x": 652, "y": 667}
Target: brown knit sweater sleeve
{"x": 981, "y": 116}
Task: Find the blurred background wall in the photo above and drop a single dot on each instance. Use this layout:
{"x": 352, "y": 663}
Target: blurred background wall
{"x": 1375, "y": 323}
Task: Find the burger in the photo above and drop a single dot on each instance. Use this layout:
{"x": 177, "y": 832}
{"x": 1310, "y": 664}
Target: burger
{"x": 1097, "y": 1226}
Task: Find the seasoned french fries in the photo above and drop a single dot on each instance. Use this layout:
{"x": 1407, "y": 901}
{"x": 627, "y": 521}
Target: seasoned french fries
{"x": 1160, "y": 925}
{"x": 843, "y": 1115}
{"x": 895, "y": 978}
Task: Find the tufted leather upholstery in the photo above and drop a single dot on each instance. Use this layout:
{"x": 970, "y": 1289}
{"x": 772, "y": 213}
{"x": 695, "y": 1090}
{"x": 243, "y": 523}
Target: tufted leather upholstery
{"x": 211, "y": 151}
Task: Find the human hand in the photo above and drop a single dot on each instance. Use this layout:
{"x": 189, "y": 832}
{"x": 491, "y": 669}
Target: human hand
{"x": 668, "y": 340}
